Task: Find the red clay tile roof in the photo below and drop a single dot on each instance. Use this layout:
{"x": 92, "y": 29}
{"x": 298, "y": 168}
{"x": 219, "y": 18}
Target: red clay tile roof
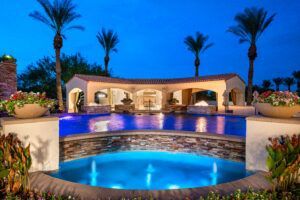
{"x": 155, "y": 81}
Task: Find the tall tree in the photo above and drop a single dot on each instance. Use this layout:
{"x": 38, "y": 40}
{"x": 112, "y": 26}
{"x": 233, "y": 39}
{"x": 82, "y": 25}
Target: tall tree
{"x": 296, "y": 75}
{"x": 289, "y": 81}
{"x": 250, "y": 26}
{"x": 108, "y": 40}
{"x": 278, "y": 81}
{"x": 58, "y": 15}
{"x": 266, "y": 85}
{"x": 41, "y": 75}
{"x": 197, "y": 45}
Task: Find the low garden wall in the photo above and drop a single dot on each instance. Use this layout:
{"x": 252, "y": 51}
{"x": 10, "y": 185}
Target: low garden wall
{"x": 259, "y": 129}
{"x": 223, "y": 146}
{"x": 42, "y": 135}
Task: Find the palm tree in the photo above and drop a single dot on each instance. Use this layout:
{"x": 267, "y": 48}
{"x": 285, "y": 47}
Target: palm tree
{"x": 266, "y": 84}
{"x": 58, "y": 16}
{"x": 296, "y": 75}
{"x": 108, "y": 40}
{"x": 278, "y": 81}
{"x": 250, "y": 26}
{"x": 289, "y": 81}
{"x": 197, "y": 45}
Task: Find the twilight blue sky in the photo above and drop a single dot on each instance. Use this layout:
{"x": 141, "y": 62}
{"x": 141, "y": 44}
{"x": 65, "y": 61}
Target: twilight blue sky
{"x": 151, "y": 36}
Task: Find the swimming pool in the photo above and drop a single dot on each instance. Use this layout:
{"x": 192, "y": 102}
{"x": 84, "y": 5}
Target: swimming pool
{"x": 150, "y": 170}
{"x": 219, "y": 124}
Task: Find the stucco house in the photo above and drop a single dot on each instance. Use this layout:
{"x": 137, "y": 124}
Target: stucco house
{"x": 100, "y": 90}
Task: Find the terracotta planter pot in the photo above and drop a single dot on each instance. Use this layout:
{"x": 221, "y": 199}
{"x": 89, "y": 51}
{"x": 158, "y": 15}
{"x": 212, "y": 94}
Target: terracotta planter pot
{"x": 268, "y": 110}
{"x": 30, "y": 111}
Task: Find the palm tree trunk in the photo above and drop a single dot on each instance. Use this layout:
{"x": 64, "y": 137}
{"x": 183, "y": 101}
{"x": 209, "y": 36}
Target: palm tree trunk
{"x": 58, "y": 81}
{"x": 252, "y": 54}
{"x": 250, "y": 82}
{"x": 106, "y": 61}
{"x": 197, "y": 64}
{"x": 58, "y": 43}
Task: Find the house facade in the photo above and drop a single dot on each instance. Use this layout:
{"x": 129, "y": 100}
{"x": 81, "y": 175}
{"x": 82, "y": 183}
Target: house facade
{"x": 153, "y": 93}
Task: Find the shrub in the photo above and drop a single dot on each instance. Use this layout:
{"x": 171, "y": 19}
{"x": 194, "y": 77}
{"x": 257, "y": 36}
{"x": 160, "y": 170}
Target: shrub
{"x": 15, "y": 161}
{"x": 21, "y": 98}
{"x": 283, "y": 161}
{"x": 36, "y": 196}
{"x": 250, "y": 195}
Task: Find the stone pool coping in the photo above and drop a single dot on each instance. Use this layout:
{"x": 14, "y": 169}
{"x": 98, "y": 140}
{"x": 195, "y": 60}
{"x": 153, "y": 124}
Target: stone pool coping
{"x": 208, "y": 135}
{"x": 46, "y": 183}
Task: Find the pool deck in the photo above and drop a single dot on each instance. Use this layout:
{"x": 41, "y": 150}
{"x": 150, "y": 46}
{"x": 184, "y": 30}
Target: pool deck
{"x": 46, "y": 183}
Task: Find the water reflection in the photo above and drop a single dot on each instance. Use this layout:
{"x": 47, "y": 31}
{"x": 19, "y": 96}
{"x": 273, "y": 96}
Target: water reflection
{"x": 149, "y": 171}
{"x": 220, "y": 125}
{"x": 214, "y": 174}
{"x": 93, "y": 174}
{"x": 201, "y": 124}
{"x": 187, "y": 122}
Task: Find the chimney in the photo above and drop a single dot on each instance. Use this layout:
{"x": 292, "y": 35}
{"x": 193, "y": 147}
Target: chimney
{"x": 8, "y": 76}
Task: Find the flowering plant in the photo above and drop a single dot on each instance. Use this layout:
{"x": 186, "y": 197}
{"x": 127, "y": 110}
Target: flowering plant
{"x": 21, "y": 98}
{"x": 278, "y": 98}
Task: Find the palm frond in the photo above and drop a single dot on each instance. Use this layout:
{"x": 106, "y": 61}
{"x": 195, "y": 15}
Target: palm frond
{"x": 108, "y": 40}
{"x": 251, "y": 24}
{"x": 78, "y": 27}
{"x": 197, "y": 44}
{"x": 38, "y": 16}
{"x": 58, "y": 15}
{"x": 207, "y": 46}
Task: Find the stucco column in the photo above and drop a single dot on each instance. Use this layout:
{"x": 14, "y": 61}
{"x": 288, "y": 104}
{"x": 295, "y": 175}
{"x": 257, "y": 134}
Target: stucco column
{"x": 165, "y": 97}
{"x": 240, "y": 98}
{"x": 109, "y": 96}
{"x": 220, "y": 100}
{"x": 89, "y": 95}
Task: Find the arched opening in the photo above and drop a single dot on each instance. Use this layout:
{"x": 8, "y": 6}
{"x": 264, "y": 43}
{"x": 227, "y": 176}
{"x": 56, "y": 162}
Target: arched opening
{"x": 148, "y": 99}
{"x": 75, "y": 100}
{"x": 192, "y": 96}
{"x": 117, "y": 95}
{"x": 197, "y": 100}
{"x": 110, "y": 96}
{"x": 100, "y": 97}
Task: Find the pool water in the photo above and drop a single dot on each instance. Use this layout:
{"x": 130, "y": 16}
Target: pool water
{"x": 148, "y": 170}
{"x": 219, "y": 124}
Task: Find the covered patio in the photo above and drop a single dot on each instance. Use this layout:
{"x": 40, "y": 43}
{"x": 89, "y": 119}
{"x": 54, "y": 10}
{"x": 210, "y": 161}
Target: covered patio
{"x": 154, "y": 94}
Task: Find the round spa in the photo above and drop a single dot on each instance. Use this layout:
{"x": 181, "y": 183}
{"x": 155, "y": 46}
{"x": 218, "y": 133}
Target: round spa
{"x": 150, "y": 170}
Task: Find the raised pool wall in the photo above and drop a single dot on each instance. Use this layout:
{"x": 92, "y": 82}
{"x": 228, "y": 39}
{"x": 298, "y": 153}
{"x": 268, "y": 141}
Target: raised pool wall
{"x": 222, "y": 146}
